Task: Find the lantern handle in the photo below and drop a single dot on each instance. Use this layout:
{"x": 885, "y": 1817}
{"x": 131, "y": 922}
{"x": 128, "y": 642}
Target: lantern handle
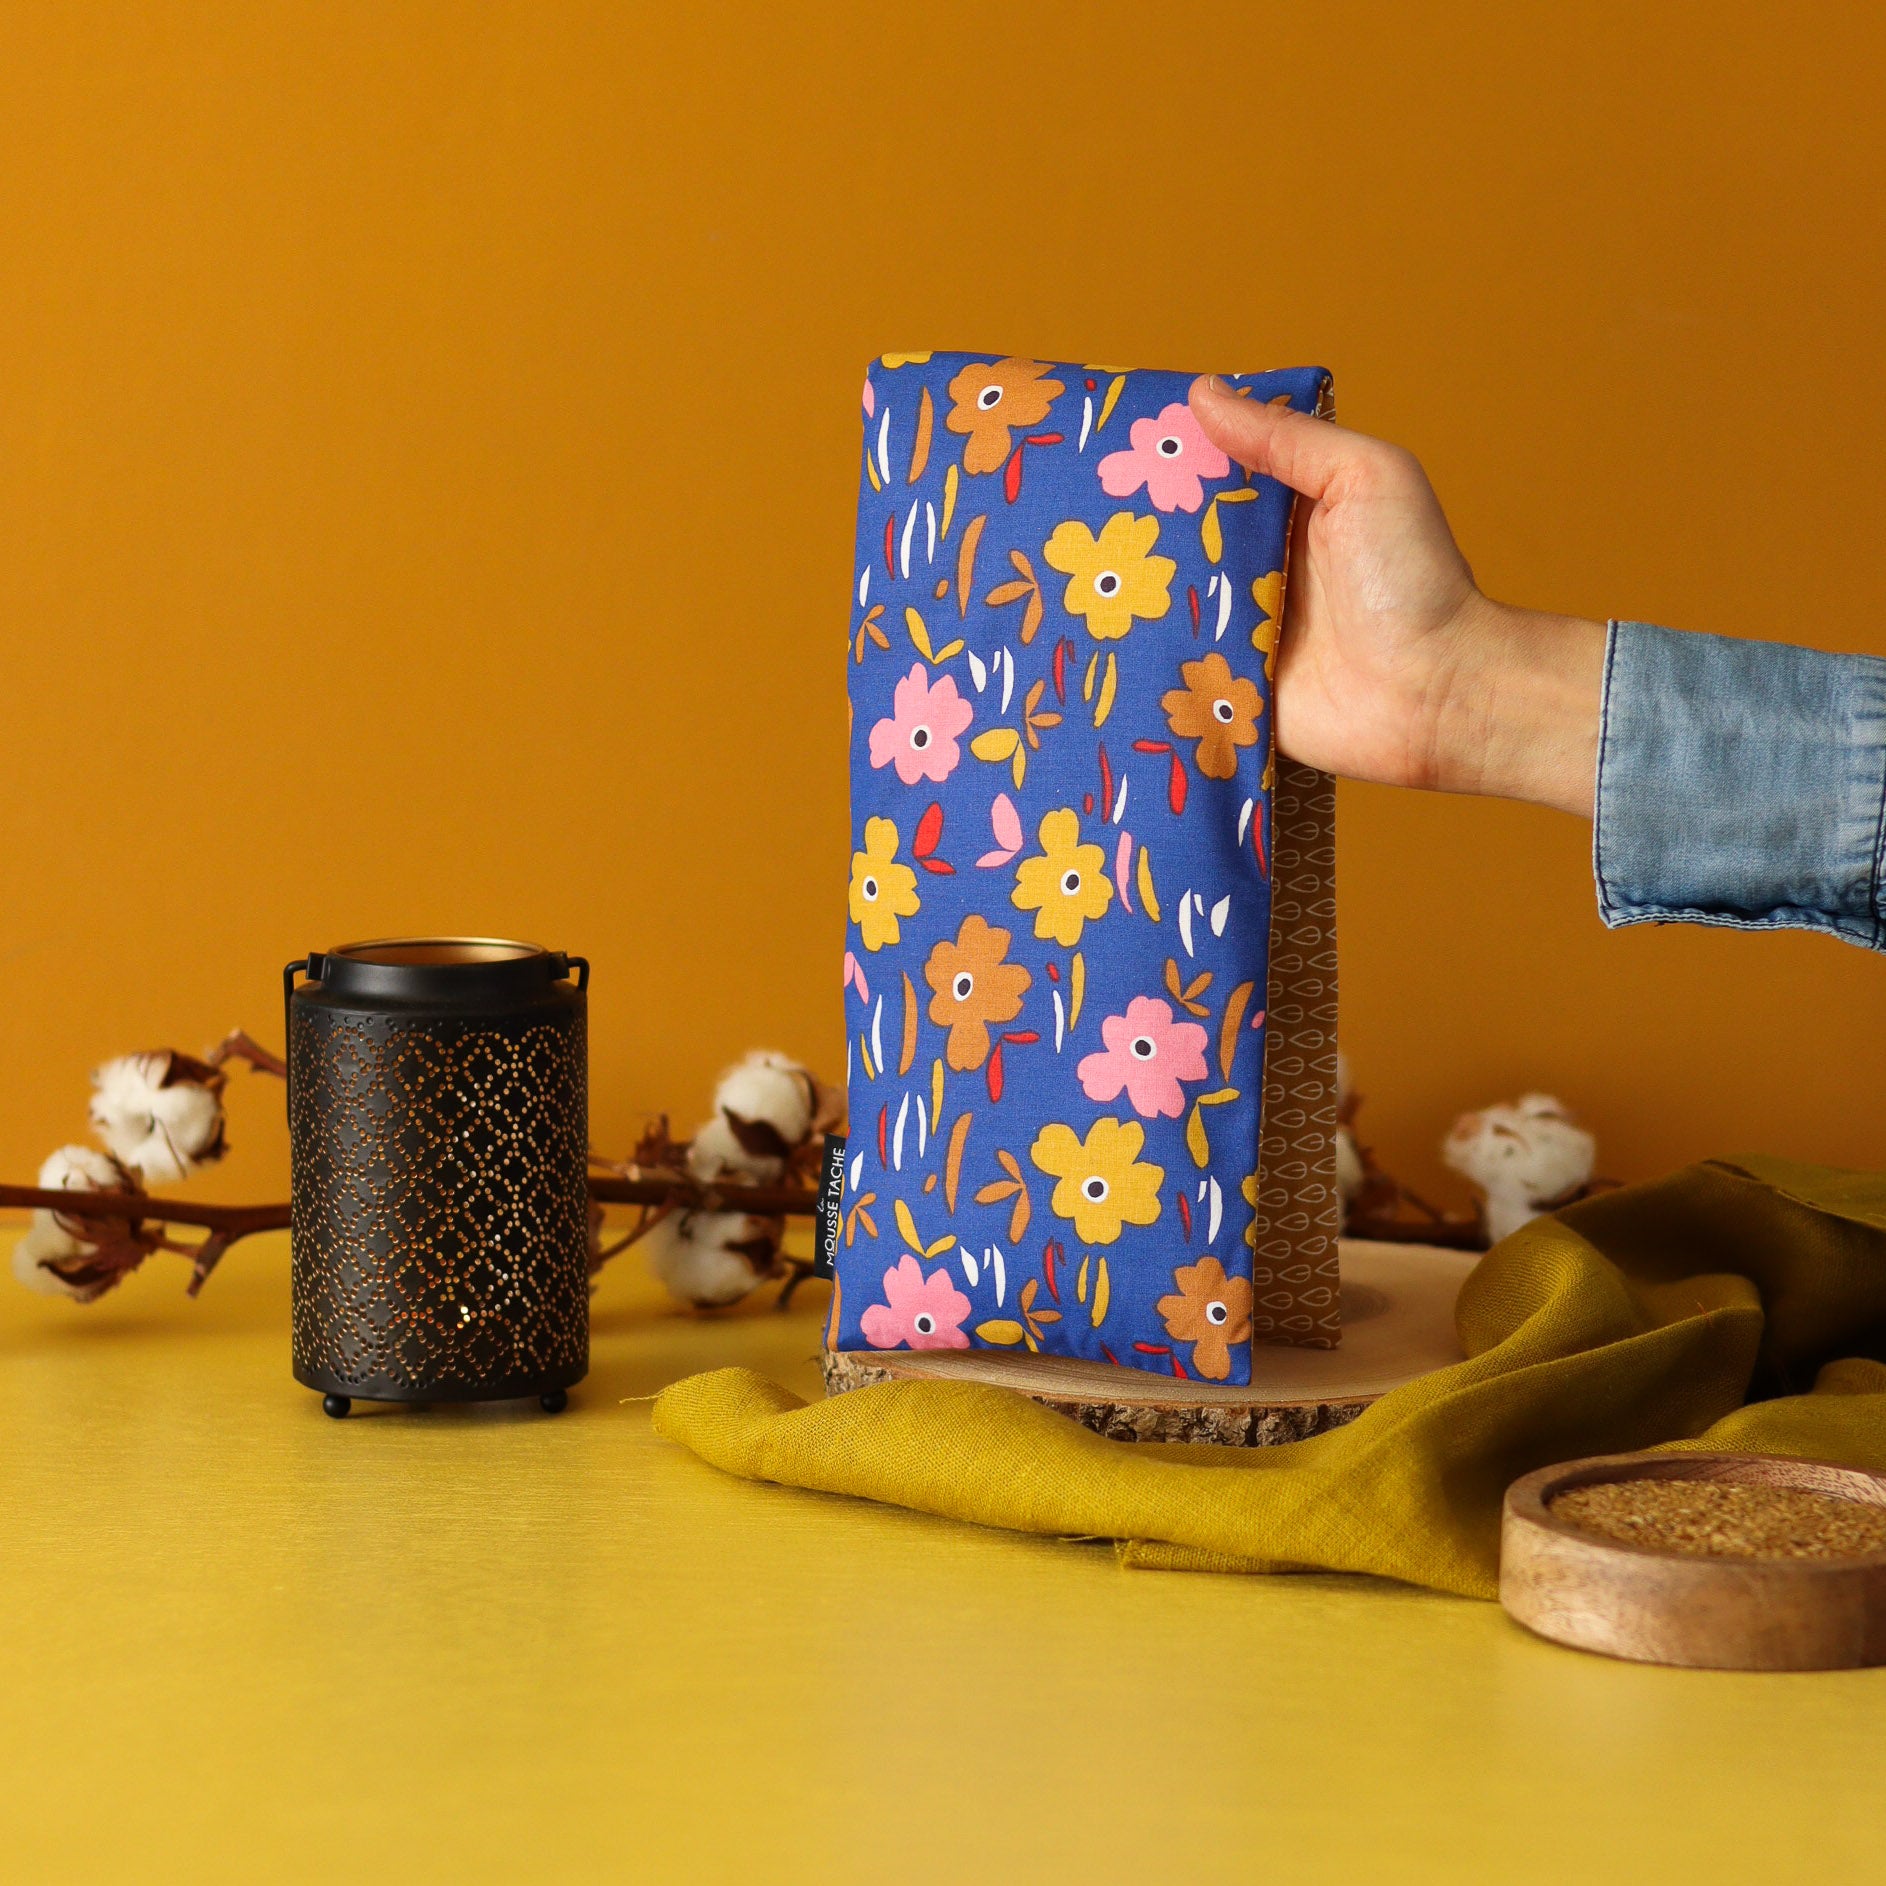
{"x": 581, "y": 965}
{"x": 313, "y": 964}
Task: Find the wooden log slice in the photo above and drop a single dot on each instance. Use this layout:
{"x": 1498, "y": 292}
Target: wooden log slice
{"x": 1703, "y": 1612}
{"x": 1397, "y": 1323}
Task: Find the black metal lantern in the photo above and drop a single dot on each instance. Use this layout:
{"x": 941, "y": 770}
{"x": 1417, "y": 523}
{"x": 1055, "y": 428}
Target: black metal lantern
{"x": 438, "y": 1124}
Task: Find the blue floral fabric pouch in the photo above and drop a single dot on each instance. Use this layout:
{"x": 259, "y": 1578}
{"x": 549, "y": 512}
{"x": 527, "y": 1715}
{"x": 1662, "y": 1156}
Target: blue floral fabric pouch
{"x": 1065, "y": 835}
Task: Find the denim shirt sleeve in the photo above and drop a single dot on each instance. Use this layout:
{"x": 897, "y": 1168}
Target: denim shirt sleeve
{"x": 1740, "y": 783}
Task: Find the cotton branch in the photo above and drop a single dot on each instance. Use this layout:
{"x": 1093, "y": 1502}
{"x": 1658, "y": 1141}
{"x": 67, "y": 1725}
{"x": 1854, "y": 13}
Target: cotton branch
{"x": 125, "y": 1239}
{"x": 239, "y": 1046}
{"x": 160, "y": 1117}
{"x": 677, "y": 1192}
{"x": 124, "y": 1243}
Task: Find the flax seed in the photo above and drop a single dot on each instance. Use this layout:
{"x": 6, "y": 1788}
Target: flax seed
{"x": 1724, "y": 1519}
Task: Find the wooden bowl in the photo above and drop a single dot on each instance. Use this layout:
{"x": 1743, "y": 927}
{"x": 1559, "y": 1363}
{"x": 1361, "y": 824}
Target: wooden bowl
{"x": 1717, "y": 1613}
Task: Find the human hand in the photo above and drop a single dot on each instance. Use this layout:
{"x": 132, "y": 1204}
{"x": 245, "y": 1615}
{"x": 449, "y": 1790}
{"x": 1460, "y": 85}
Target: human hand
{"x": 1393, "y": 666}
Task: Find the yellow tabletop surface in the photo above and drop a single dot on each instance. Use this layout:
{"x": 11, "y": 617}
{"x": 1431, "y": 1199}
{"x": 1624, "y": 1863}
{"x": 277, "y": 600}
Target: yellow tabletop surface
{"x": 245, "y": 1642}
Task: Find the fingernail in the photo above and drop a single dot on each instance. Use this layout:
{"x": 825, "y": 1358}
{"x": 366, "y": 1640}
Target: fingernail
{"x": 1221, "y": 386}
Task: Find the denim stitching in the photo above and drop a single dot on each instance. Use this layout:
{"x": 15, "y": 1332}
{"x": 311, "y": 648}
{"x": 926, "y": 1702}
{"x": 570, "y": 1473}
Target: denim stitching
{"x": 1878, "y": 934}
{"x": 1815, "y": 923}
{"x": 1606, "y": 907}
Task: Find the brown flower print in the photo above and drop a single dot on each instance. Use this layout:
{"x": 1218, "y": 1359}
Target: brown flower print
{"x": 1217, "y": 709}
{"x": 1211, "y": 1312}
{"x": 973, "y": 986}
{"x": 987, "y": 399}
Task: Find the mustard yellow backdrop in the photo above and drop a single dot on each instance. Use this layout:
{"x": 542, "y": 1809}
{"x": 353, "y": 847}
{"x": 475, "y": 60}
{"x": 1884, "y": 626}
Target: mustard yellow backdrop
{"x": 428, "y": 437}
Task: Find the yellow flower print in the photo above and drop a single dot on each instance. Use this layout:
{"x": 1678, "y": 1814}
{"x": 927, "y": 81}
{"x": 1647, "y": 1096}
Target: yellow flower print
{"x": 1102, "y": 1183}
{"x": 881, "y": 891}
{"x": 904, "y": 360}
{"x": 1114, "y": 577}
{"x": 1066, "y": 886}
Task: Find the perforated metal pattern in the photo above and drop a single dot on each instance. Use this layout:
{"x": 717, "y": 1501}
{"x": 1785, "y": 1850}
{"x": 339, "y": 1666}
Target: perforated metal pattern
{"x": 439, "y": 1203}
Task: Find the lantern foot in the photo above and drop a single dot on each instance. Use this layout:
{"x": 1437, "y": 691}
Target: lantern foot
{"x": 555, "y": 1402}
{"x": 336, "y": 1405}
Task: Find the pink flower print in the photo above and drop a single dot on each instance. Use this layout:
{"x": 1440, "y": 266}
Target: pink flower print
{"x": 919, "y": 737}
{"x": 925, "y": 1312}
{"x": 1169, "y": 456}
{"x": 1148, "y": 1054}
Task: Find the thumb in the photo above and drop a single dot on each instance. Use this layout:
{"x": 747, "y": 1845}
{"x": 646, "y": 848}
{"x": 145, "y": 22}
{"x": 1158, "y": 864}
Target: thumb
{"x": 1304, "y": 453}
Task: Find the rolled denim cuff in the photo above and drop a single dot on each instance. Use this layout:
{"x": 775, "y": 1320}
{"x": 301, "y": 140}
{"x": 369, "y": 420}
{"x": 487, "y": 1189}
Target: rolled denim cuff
{"x": 1740, "y": 783}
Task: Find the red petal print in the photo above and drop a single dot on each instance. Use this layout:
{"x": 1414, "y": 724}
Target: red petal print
{"x": 1191, "y": 596}
{"x": 1178, "y": 1369}
{"x": 1106, "y": 783}
{"x": 940, "y": 866}
{"x": 1257, "y": 1020}
{"x": 1025, "y": 1037}
{"x": 1047, "y": 1270}
{"x": 1152, "y": 746}
{"x": 1044, "y": 438}
{"x": 1087, "y": 803}
{"x": 1060, "y": 671}
{"x": 1175, "y": 791}
{"x": 1152, "y": 1349}
{"x": 1104, "y": 1350}
{"x": 1012, "y": 476}
{"x": 890, "y": 540}
{"x": 884, "y": 1134}
{"x": 1054, "y": 975}
{"x": 1257, "y": 843}
{"x": 929, "y": 831}
{"x": 1185, "y": 1216}
{"x": 995, "y": 1073}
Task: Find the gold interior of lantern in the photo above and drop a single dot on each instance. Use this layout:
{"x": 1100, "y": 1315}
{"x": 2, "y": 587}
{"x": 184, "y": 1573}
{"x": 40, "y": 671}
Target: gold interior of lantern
{"x": 397, "y": 951}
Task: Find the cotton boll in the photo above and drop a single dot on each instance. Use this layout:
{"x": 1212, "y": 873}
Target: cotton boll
{"x": 773, "y": 1088}
{"x": 764, "y": 1108}
{"x": 711, "y": 1258}
{"x": 1525, "y": 1158}
{"x": 1503, "y": 1213}
{"x": 828, "y": 1114}
{"x": 160, "y": 1114}
{"x": 715, "y": 1152}
{"x": 83, "y": 1169}
{"x": 46, "y": 1242}
{"x": 1349, "y": 1173}
{"x": 1532, "y": 1149}
{"x": 51, "y": 1239}
{"x": 770, "y": 1100}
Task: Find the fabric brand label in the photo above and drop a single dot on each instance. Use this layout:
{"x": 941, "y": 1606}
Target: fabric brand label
{"x": 830, "y": 1208}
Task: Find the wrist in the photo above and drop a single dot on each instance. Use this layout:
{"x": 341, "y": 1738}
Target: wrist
{"x": 1520, "y": 719}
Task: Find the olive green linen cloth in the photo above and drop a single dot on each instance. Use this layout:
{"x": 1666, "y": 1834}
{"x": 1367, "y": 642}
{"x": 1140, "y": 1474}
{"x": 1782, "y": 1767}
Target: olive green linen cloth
{"x": 1739, "y": 1305}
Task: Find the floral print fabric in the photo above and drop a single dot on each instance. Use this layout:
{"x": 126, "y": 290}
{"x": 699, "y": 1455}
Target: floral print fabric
{"x": 1065, "y": 613}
